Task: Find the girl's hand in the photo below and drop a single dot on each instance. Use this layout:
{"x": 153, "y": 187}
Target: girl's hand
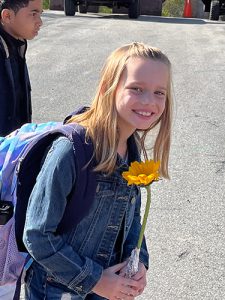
{"x": 140, "y": 276}
{"x": 114, "y": 287}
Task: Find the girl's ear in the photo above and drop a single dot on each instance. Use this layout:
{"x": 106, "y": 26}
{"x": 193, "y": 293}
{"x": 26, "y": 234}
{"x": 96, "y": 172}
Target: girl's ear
{"x": 6, "y": 16}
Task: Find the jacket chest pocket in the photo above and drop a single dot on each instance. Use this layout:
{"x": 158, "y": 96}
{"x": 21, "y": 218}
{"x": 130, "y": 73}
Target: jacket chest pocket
{"x": 105, "y": 189}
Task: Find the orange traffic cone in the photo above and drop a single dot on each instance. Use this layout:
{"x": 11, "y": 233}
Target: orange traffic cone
{"x": 187, "y": 9}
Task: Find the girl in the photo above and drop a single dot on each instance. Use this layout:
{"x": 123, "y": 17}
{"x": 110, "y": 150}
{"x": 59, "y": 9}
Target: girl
{"x": 133, "y": 96}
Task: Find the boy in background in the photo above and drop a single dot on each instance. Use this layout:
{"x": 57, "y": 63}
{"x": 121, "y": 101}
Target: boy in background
{"x": 20, "y": 20}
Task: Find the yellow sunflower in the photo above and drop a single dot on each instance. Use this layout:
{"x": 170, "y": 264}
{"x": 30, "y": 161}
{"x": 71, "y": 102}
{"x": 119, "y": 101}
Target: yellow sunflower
{"x": 142, "y": 173}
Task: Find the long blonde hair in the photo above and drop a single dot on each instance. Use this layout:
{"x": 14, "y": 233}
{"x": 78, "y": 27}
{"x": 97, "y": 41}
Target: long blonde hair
{"x": 101, "y": 119}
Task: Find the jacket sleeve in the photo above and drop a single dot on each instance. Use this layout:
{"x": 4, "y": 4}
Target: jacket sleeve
{"x": 45, "y": 210}
{"x": 133, "y": 235}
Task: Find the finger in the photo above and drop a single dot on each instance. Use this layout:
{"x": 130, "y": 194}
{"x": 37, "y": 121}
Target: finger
{"x": 130, "y": 282}
{"x": 141, "y": 286}
{"x": 140, "y": 291}
{"x": 122, "y": 273}
{"x": 137, "y": 276}
{"x": 129, "y": 291}
{"x": 141, "y": 273}
{"x": 124, "y": 296}
{"x": 118, "y": 267}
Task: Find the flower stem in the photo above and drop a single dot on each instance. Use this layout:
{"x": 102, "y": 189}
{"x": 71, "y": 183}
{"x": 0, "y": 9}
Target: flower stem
{"x": 147, "y": 208}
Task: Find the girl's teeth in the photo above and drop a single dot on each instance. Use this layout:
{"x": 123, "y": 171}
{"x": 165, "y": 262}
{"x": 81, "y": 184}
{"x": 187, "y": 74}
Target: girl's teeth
{"x": 144, "y": 113}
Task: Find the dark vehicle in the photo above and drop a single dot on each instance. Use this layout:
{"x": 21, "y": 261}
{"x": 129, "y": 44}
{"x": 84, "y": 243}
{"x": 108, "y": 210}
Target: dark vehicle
{"x": 71, "y": 6}
{"x": 215, "y": 8}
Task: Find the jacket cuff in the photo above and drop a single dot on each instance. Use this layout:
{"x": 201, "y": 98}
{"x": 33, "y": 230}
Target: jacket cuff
{"x": 87, "y": 279}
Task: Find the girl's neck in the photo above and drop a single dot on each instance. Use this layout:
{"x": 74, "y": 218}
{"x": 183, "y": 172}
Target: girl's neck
{"x": 124, "y": 135}
{"x": 122, "y": 149}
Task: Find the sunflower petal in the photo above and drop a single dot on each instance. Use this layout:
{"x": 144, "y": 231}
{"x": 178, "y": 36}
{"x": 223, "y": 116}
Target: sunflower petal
{"x": 142, "y": 173}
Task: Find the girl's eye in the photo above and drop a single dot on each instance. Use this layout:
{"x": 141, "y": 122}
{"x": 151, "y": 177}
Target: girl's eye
{"x": 137, "y": 89}
{"x": 160, "y": 93}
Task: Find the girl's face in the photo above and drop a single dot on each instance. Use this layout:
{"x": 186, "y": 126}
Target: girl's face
{"x": 141, "y": 94}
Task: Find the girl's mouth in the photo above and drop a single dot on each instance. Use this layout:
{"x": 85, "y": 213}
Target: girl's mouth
{"x": 144, "y": 113}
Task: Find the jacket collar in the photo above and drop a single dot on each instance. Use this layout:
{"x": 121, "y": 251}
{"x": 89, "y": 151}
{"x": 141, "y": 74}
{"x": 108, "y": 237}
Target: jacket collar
{"x": 13, "y": 43}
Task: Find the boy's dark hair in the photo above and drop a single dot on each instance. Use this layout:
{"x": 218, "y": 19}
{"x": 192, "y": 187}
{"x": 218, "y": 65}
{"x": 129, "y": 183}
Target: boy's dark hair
{"x": 15, "y": 5}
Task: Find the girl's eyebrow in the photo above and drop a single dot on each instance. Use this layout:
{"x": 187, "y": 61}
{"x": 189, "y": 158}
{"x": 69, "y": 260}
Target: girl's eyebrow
{"x": 136, "y": 82}
{"x": 162, "y": 88}
{"x": 143, "y": 83}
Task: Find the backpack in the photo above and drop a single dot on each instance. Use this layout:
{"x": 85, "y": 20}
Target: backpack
{"x": 21, "y": 155}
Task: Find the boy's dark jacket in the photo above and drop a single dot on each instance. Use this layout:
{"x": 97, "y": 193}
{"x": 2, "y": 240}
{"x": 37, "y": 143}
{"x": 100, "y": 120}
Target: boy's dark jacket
{"x": 8, "y": 97}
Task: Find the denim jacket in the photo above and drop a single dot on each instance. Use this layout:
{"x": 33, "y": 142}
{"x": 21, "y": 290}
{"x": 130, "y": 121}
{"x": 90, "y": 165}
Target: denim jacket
{"x": 105, "y": 237}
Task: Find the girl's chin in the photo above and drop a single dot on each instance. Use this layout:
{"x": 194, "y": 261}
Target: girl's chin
{"x": 143, "y": 126}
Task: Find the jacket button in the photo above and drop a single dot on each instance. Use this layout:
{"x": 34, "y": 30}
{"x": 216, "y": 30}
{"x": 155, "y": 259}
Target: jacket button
{"x": 49, "y": 279}
{"x": 133, "y": 199}
{"x": 97, "y": 188}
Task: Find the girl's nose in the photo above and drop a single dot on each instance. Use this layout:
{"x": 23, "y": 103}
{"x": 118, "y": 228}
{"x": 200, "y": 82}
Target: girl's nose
{"x": 147, "y": 98}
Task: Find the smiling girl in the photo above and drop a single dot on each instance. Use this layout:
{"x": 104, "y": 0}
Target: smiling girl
{"x": 133, "y": 96}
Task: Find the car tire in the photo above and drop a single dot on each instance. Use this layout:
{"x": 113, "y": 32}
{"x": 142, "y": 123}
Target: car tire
{"x": 214, "y": 13}
{"x": 134, "y": 9}
{"x": 70, "y": 7}
{"x": 82, "y": 9}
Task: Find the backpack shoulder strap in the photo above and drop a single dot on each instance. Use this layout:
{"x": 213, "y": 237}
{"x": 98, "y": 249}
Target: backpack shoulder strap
{"x": 82, "y": 196}
{"x": 78, "y": 111}
{"x": 5, "y": 47}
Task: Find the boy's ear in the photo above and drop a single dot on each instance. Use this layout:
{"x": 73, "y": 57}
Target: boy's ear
{"x": 6, "y": 16}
